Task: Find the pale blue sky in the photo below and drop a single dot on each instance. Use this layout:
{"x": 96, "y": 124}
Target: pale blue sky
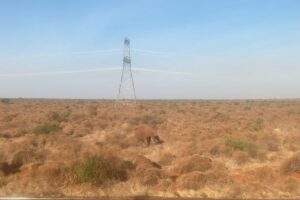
{"x": 239, "y": 48}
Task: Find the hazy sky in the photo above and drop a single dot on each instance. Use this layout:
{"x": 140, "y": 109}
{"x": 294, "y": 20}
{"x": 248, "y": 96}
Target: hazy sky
{"x": 236, "y": 49}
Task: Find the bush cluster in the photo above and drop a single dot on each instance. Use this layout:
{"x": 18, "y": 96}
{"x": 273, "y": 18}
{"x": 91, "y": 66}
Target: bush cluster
{"x": 256, "y": 125}
{"x": 5, "y": 101}
{"x": 47, "y": 128}
{"x": 242, "y": 145}
{"x": 98, "y": 170}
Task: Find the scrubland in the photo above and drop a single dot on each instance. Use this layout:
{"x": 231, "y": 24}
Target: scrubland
{"x": 215, "y": 149}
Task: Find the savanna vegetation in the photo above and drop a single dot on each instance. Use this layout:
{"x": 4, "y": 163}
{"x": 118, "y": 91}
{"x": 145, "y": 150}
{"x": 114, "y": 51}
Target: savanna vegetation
{"x": 215, "y": 149}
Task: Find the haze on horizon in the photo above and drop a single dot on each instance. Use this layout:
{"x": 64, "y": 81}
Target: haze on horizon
{"x": 237, "y": 49}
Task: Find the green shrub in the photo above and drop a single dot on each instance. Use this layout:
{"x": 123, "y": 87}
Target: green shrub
{"x": 247, "y": 108}
{"x": 293, "y": 112}
{"x": 180, "y": 110}
{"x": 161, "y": 112}
{"x": 22, "y": 132}
{"x": 242, "y": 145}
{"x": 151, "y": 120}
{"x": 5, "y": 101}
{"x": 98, "y": 170}
{"x": 93, "y": 110}
{"x": 47, "y": 128}
{"x": 220, "y": 117}
{"x": 60, "y": 117}
{"x": 9, "y": 118}
{"x": 257, "y": 124}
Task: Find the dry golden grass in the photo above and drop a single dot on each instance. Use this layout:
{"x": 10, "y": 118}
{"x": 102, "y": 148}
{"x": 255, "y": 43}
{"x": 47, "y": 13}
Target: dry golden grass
{"x": 216, "y": 149}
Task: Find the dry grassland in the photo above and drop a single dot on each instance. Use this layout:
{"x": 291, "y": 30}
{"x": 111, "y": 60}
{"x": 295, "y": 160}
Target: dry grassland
{"x": 215, "y": 149}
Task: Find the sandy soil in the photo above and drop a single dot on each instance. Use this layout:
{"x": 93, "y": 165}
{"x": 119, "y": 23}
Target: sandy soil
{"x": 215, "y": 149}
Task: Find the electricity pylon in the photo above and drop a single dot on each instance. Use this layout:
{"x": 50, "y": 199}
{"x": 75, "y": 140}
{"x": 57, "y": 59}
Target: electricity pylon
{"x": 126, "y": 94}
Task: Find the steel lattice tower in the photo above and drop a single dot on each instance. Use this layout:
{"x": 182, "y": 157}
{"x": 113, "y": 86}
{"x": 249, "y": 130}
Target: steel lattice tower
{"x": 127, "y": 90}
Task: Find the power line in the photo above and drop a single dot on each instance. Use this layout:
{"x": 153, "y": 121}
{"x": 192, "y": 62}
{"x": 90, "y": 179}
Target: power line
{"x": 101, "y": 52}
{"x": 108, "y": 69}
{"x": 61, "y": 72}
{"x": 97, "y": 52}
{"x": 166, "y": 71}
{"x": 160, "y": 53}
